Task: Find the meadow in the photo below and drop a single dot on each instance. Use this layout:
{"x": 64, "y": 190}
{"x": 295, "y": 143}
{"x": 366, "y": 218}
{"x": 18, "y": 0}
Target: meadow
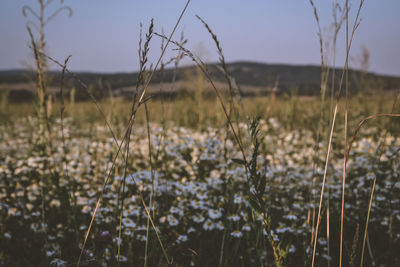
{"x": 200, "y": 180}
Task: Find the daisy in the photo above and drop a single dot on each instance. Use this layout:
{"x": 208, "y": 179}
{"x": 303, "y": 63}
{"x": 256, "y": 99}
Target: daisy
{"x": 246, "y": 228}
{"x": 234, "y": 217}
{"x": 182, "y": 238}
{"x": 214, "y": 214}
{"x": 128, "y": 223}
{"x": 172, "y": 220}
{"x": 237, "y": 199}
{"x": 236, "y": 234}
{"x": 121, "y": 258}
{"x": 191, "y": 230}
{"x": 199, "y": 218}
{"x": 208, "y": 225}
{"x": 220, "y": 225}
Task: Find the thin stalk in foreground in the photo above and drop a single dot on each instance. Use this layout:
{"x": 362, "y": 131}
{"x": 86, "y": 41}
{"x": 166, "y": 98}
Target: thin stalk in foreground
{"x": 367, "y": 221}
{"x": 130, "y": 124}
{"x": 355, "y": 26}
{"x": 345, "y": 136}
{"x": 323, "y": 184}
{"x": 151, "y": 204}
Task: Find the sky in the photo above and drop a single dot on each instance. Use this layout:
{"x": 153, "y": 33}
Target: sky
{"x": 103, "y": 35}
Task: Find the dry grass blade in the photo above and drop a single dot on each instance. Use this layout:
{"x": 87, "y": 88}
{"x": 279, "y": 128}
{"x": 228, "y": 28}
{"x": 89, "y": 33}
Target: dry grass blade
{"x": 362, "y": 123}
{"x": 367, "y": 221}
{"x": 228, "y": 78}
{"x": 348, "y": 47}
{"x": 203, "y": 68}
{"x": 84, "y": 86}
{"x": 127, "y": 136}
{"x": 323, "y": 186}
{"x": 43, "y": 119}
{"x": 163, "y": 52}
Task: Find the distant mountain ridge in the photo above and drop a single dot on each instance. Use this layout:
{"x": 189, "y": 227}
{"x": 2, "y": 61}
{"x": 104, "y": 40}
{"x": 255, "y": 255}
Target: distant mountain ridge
{"x": 302, "y": 79}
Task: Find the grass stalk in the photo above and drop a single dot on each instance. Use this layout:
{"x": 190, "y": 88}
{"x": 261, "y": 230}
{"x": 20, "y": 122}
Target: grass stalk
{"x": 127, "y": 132}
{"x": 367, "y": 221}
{"x": 151, "y": 204}
{"x": 355, "y": 26}
{"x": 323, "y": 185}
{"x": 345, "y": 136}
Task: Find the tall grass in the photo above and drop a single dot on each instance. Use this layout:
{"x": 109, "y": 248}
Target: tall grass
{"x": 244, "y": 150}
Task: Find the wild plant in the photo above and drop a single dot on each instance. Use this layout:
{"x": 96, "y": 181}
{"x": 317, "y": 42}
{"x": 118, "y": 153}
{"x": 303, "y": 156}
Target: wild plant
{"x": 38, "y": 48}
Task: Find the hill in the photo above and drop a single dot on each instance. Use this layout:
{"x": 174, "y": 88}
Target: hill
{"x": 253, "y": 79}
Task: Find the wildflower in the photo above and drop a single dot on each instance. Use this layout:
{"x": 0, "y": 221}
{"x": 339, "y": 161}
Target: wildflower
{"x": 201, "y": 195}
{"x": 191, "y": 230}
{"x": 13, "y": 212}
{"x": 199, "y": 218}
{"x": 58, "y": 263}
{"x": 55, "y": 203}
{"x": 236, "y": 234}
{"x": 282, "y": 229}
{"x": 86, "y": 209}
{"x": 214, "y": 214}
{"x": 121, "y": 258}
{"x": 128, "y": 223}
{"x": 237, "y": 199}
{"x": 174, "y": 209}
{"x": 291, "y": 217}
{"x": 141, "y": 238}
{"x": 196, "y": 204}
{"x": 172, "y": 220}
{"x": 132, "y": 210}
{"x": 182, "y": 238}
{"x": 163, "y": 219}
{"x": 208, "y": 225}
{"x": 234, "y": 217}
{"x": 246, "y": 228}
{"x": 220, "y": 225}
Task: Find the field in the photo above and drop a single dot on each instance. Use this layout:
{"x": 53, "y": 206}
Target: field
{"x": 198, "y": 196}
{"x": 206, "y": 177}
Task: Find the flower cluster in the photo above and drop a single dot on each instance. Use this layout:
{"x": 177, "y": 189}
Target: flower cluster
{"x": 197, "y": 196}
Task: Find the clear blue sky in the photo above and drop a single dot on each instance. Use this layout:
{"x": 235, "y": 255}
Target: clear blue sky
{"x": 102, "y": 35}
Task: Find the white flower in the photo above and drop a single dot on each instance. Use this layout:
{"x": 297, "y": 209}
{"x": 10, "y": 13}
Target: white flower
{"x": 220, "y": 225}
{"x": 246, "y": 228}
{"x": 196, "y": 204}
{"x": 172, "y": 220}
{"x": 191, "y": 230}
{"x": 141, "y": 238}
{"x": 182, "y": 238}
{"x": 121, "y": 258}
{"x": 86, "y": 209}
{"x": 13, "y": 212}
{"x": 128, "y": 223}
{"x": 201, "y": 195}
{"x": 282, "y": 229}
{"x": 237, "y": 199}
{"x": 291, "y": 217}
{"x": 174, "y": 209}
{"x": 58, "y": 263}
{"x": 236, "y": 234}
{"x": 234, "y": 217}
{"x": 163, "y": 219}
{"x": 55, "y": 203}
{"x": 199, "y": 218}
{"x": 214, "y": 214}
{"x": 208, "y": 225}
